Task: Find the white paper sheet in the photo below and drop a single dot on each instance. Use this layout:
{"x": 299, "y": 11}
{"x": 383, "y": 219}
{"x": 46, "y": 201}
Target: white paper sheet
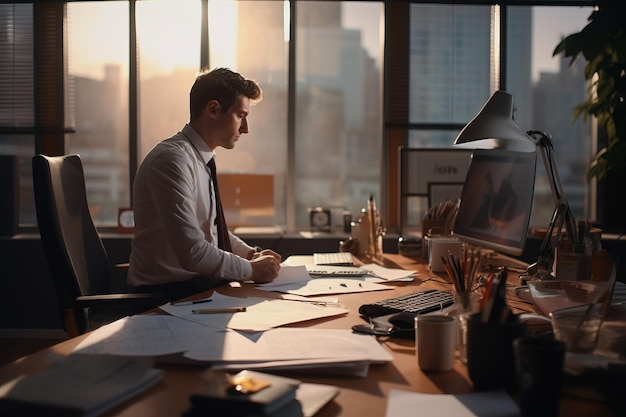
{"x": 480, "y": 404}
{"x": 389, "y": 274}
{"x": 296, "y": 280}
{"x": 318, "y": 367}
{"x": 261, "y": 313}
{"x": 377, "y": 273}
{"x": 313, "y": 397}
{"x": 143, "y": 335}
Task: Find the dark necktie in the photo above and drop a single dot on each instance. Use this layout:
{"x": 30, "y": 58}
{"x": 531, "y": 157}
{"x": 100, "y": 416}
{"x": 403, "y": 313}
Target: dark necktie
{"x": 223, "y": 240}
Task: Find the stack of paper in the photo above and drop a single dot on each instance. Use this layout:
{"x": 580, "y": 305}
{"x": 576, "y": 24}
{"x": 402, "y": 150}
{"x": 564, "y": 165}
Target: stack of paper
{"x": 79, "y": 385}
{"x": 322, "y": 351}
{"x": 319, "y": 350}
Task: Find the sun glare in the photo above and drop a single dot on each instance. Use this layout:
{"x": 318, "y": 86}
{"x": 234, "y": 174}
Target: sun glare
{"x": 168, "y": 35}
{"x": 92, "y": 42}
{"x": 223, "y": 33}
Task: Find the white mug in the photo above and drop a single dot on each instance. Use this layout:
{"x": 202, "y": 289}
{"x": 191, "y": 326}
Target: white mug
{"x": 438, "y": 247}
{"x": 435, "y": 342}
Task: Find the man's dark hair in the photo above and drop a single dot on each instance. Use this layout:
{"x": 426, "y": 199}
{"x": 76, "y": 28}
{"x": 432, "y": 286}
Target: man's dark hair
{"x": 223, "y": 85}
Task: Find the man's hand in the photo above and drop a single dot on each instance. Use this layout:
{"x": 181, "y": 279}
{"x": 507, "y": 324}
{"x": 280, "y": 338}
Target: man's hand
{"x": 268, "y": 252}
{"x": 265, "y": 267}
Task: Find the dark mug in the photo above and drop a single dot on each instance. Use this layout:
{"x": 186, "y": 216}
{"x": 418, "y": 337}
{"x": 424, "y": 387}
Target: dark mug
{"x": 490, "y": 355}
{"x": 539, "y": 368}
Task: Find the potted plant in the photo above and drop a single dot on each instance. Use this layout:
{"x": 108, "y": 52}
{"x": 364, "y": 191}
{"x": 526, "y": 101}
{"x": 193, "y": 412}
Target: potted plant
{"x": 602, "y": 42}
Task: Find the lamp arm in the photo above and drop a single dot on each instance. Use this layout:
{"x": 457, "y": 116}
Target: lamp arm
{"x": 543, "y": 141}
{"x": 542, "y": 269}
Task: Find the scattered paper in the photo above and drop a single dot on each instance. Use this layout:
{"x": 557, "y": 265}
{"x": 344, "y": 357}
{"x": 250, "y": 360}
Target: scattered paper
{"x": 389, "y": 274}
{"x": 261, "y": 313}
{"x": 142, "y": 335}
{"x": 296, "y": 280}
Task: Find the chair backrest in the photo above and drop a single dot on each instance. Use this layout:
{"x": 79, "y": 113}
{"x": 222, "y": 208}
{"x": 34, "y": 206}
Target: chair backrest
{"x": 77, "y": 259}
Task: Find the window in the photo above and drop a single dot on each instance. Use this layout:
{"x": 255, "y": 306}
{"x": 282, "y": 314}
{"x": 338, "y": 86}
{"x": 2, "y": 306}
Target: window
{"x": 454, "y": 69}
{"x": 546, "y": 89}
{"x": 98, "y": 65}
{"x": 338, "y": 123}
{"x": 338, "y": 120}
{"x": 334, "y": 111}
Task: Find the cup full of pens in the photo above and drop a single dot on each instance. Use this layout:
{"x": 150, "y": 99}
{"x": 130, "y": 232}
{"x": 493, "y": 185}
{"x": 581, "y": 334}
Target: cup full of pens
{"x": 490, "y": 335}
{"x": 464, "y": 273}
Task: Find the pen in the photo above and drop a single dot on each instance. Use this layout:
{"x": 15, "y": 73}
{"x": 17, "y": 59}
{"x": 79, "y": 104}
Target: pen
{"x": 188, "y": 303}
{"x": 219, "y": 310}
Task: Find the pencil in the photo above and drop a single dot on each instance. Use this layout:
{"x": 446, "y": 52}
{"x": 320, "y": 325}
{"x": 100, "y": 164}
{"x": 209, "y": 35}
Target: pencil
{"x": 185, "y": 303}
{"x": 219, "y": 310}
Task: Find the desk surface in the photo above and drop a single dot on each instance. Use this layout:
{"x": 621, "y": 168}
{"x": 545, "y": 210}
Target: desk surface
{"x": 357, "y": 397}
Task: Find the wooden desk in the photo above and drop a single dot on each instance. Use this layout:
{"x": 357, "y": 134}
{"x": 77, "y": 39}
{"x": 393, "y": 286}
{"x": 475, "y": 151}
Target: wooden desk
{"x": 358, "y": 397}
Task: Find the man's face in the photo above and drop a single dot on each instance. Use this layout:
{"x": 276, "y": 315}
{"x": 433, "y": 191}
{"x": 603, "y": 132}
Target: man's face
{"x": 230, "y": 125}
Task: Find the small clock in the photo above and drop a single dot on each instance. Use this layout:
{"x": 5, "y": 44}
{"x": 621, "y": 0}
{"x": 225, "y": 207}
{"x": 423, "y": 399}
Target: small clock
{"x": 320, "y": 219}
{"x": 125, "y": 220}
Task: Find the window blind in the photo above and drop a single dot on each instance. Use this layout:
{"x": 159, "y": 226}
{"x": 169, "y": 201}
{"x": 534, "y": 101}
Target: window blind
{"x": 16, "y": 67}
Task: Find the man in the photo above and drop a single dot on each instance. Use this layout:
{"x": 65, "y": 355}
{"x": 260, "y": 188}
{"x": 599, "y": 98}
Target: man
{"x": 175, "y": 246}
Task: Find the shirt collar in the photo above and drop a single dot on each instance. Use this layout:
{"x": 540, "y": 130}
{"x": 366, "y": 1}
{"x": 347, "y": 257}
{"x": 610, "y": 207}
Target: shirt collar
{"x": 196, "y": 140}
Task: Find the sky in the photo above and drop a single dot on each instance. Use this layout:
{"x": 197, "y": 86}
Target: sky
{"x": 550, "y": 26}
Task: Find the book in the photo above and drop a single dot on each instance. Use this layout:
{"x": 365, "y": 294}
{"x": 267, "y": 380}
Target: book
{"x": 262, "y": 393}
{"x": 292, "y": 408}
{"x": 79, "y": 385}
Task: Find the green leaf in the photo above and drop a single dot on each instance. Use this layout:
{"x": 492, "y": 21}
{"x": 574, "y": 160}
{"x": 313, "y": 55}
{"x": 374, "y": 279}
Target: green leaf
{"x": 602, "y": 42}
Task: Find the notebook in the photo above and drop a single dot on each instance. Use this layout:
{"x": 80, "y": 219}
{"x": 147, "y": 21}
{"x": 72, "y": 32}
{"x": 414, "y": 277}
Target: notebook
{"x": 333, "y": 258}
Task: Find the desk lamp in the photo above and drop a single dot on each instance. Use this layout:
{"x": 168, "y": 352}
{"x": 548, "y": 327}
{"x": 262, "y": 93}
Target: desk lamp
{"x": 493, "y": 128}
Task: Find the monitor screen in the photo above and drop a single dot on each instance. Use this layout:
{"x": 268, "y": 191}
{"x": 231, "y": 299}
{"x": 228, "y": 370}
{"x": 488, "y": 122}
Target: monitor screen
{"x": 497, "y": 196}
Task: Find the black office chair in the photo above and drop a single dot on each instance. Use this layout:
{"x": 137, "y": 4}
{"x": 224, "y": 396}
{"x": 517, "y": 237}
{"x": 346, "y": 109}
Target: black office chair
{"x": 77, "y": 260}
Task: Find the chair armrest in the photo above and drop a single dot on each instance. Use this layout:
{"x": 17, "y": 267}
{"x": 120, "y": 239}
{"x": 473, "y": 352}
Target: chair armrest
{"x": 124, "y": 299}
{"x": 122, "y": 268}
{"x": 139, "y": 302}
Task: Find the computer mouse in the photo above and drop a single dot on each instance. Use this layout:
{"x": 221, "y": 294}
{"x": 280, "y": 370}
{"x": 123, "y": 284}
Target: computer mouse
{"x": 401, "y": 324}
{"x": 402, "y": 321}
{"x": 394, "y": 325}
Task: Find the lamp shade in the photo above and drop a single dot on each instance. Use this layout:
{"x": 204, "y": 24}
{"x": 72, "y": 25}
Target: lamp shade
{"x": 494, "y": 127}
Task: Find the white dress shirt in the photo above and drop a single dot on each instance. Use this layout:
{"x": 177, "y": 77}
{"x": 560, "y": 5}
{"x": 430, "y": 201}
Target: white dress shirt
{"x": 175, "y": 233}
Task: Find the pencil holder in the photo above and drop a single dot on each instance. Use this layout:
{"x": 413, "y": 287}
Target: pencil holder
{"x": 465, "y": 304}
{"x": 490, "y": 355}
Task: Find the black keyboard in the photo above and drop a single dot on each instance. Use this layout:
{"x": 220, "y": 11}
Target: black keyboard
{"x": 421, "y": 302}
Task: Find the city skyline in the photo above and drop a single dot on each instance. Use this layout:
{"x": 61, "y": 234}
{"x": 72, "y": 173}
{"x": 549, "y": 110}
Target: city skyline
{"x": 550, "y": 25}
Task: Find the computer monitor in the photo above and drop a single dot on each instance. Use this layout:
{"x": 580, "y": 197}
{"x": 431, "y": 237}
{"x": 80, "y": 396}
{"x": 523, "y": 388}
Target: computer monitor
{"x": 496, "y": 201}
